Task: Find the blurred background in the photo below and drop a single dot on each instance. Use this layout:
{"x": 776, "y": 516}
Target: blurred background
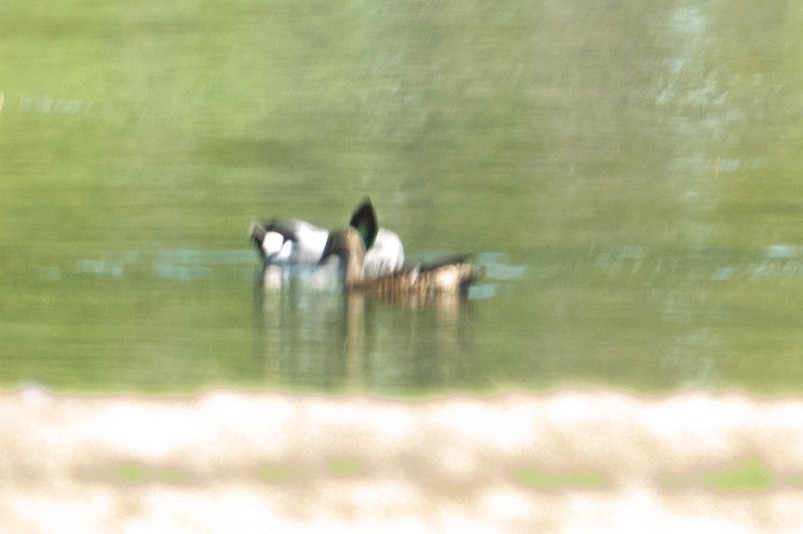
{"x": 627, "y": 173}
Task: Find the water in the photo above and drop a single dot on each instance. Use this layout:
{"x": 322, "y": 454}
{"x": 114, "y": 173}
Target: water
{"x": 627, "y": 175}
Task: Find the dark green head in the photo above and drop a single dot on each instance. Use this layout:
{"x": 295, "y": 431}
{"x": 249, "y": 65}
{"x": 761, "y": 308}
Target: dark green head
{"x": 364, "y": 221}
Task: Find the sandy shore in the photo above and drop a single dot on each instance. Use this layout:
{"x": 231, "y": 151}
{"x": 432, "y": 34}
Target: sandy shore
{"x": 571, "y": 461}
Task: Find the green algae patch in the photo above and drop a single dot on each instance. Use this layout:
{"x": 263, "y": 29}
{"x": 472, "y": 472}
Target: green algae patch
{"x": 136, "y": 473}
{"x": 173, "y": 475}
{"x": 750, "y": 475}
{"x": 128, "y": 473}
{"x": 278, "y": 473}
{"x": 553, "y": 480}
{"x": 344, "y": 467}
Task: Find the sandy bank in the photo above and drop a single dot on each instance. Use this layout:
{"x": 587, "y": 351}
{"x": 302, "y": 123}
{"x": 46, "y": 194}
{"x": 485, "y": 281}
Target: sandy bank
{"x": 572, "y": 461}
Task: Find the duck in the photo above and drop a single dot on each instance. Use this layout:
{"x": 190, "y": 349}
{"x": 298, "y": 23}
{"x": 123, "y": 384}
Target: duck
{"x": 298, "y": 242}
{"x": 288, "y": 241}
{"x": 451, "y": 277}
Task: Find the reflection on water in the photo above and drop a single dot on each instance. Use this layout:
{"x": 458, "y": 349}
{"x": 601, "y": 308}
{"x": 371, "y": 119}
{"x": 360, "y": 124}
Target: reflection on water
{"x": 312, "y": 334}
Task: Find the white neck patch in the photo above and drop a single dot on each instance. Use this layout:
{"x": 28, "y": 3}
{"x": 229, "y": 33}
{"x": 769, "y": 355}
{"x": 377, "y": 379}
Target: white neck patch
{"x": 272, "y": 243}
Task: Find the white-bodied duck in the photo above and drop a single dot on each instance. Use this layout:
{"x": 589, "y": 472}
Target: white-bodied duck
{"x": 293, "y": 241}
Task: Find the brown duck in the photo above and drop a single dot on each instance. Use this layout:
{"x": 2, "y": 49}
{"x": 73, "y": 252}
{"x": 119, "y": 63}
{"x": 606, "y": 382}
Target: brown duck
{"x": 449, "y": 277}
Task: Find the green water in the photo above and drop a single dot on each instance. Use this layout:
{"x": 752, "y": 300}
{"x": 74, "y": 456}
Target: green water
{"x": 628, "y": 174}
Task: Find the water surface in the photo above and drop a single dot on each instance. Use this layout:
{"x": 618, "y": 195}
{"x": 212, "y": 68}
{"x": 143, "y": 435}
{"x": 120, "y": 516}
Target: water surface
{"x": 627, "y": 175}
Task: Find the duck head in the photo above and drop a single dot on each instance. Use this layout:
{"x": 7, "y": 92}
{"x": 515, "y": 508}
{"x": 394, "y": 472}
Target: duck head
{"x": 272, "y": 241}
{"x": 351, "y": 243}
{"x": 364, "y": 221}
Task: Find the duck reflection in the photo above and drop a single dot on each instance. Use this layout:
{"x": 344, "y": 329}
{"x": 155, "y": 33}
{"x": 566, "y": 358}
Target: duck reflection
{"x": 310, "y": 333}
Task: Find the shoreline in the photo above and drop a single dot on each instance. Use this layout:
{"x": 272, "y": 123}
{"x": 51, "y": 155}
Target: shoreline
{"x": 567, "y": 461}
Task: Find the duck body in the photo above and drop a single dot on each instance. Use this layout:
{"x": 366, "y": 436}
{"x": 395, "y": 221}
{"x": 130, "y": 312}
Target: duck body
{"x": 452, "y": 276}
{"x": 291, "y": 241}
{"x": 297, "y": 242}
